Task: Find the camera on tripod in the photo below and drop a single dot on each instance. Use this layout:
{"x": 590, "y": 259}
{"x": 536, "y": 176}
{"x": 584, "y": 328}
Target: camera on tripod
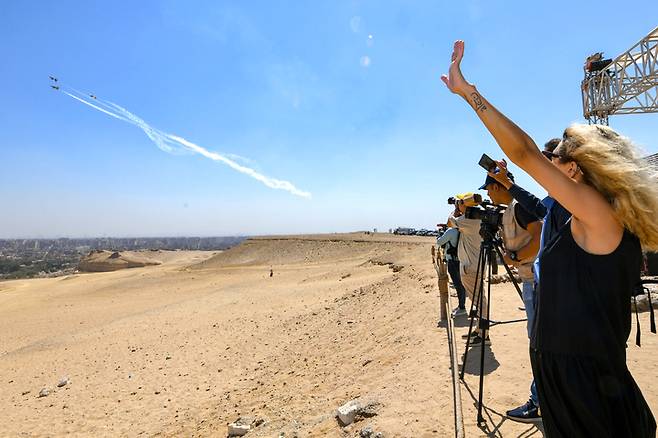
{"x": 491, "y": 215}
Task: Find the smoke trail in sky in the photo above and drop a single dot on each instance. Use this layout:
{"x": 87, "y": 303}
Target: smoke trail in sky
{"x": 172, "y": 143}
{"x": 95, "y": 107}
{"x": 269, "y": 182}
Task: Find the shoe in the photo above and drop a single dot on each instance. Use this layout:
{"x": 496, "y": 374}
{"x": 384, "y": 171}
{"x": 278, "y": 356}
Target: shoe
{"x": 458, "y": 312}
{"x": 477, "y": 340}
{"x": 528, "y": 413}
{"x": 473, "y": 334}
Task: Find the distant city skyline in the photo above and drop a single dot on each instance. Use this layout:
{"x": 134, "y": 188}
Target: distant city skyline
{"x": 341, "y": 99}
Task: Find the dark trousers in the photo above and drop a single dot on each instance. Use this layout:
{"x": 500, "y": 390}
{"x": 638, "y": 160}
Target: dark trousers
{"x": 453, "y": 270}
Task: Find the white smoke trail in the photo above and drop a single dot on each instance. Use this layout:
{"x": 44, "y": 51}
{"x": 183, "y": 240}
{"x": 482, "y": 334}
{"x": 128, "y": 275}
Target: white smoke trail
{"x": 151, "y": 132}
{"x": 168, "y": 143}
{"x": 237, "y": 157}
{"x": 96, "y": 107}
{"x": 269, "y": 182}
{"x": 155, "y": 135}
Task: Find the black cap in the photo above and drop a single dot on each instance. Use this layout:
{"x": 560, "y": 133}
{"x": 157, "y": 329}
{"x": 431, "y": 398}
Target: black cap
{"x": 490, "y": 180}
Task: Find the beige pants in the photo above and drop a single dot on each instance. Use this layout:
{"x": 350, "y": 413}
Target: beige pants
{"x": 468, "y": 280}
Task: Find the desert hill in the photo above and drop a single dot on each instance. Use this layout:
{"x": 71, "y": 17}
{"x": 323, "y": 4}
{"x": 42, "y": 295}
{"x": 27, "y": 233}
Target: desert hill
{"x": 277, "y": 250}
{"x": 105, "y": 261}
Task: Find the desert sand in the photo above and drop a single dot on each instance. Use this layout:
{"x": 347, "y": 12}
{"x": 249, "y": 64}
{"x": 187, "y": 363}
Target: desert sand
{"x": 186, "y": 346}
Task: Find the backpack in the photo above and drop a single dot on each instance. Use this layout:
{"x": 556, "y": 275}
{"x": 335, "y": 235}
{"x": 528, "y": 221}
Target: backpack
{"x": 452, "y": 250}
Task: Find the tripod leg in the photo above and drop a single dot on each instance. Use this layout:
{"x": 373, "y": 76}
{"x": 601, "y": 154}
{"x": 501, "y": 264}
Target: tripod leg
{"x": 509, "y": 272}
{"x": 484, "y": 329}
{"x": 474, "y": 301}
{"x": 477, "y": 292}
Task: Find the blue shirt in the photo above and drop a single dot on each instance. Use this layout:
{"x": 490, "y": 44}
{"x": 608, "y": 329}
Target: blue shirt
{"x": 553, "y": 213}
{"x": 548, "y": 202}
{"x": 451, "y": 236}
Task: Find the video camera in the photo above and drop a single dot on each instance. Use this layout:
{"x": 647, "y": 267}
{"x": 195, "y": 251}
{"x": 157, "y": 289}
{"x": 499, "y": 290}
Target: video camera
{"x": 471, "y": 200}
{"x": 442, "y": 228}
{"x": 491, "y": 215}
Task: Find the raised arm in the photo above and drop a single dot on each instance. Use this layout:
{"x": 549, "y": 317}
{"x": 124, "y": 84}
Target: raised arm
{"x": 595, "y": 226}
{"x": 516, "y": 144}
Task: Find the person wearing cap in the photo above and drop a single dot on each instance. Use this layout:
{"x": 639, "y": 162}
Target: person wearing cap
{"x": 521, "y": 231}
{"x": 468, "y": 252}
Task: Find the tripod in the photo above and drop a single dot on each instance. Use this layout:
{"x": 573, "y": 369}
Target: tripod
{"x": 489, "y": 249}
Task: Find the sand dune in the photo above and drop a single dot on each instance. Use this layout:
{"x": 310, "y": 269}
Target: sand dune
{"x": 182, "y": 348}
{"x": 105, "y": 261}
{"x": 328, "y": 248}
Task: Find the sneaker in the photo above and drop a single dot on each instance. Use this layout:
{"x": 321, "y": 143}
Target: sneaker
{"x": 458, "y": 312}
{"x": 528, "y": 413}
{"x": 477, "y": 340}
{"x": 473, "y": 334}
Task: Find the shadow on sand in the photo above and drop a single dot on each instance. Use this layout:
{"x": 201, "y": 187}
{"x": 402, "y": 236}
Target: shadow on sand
{"x": 493, "y": 420}
{"x": 472, "y": 364}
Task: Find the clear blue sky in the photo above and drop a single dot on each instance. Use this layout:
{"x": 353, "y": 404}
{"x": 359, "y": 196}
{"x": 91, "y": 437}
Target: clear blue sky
{"x": 378, "y": 141}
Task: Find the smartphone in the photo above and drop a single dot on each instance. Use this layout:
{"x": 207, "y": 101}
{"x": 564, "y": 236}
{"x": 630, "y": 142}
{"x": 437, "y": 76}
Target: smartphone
{"x": 487, "y": 163}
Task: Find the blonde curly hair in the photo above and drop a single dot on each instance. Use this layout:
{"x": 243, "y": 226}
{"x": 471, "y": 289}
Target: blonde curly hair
{"x": 612, "y": 164}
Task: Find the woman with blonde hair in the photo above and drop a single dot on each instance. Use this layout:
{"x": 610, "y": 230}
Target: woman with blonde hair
{"x": 588, "y": 270}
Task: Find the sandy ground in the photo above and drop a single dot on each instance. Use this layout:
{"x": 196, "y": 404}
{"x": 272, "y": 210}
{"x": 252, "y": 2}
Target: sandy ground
{"x": 182, "y": 348}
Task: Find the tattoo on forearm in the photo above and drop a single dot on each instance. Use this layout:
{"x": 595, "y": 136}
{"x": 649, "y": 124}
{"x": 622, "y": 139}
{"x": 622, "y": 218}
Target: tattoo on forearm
{"x": 477, "y": 102}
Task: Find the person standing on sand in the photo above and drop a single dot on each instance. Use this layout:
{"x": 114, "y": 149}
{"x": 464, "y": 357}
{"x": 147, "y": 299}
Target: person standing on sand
{"x": 468, "y": 251}
{"x": 449, "y": 240}
{"x": 587, "y": 272}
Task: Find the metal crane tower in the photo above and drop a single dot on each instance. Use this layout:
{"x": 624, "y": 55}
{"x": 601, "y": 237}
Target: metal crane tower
{"x": 625, "y": 85}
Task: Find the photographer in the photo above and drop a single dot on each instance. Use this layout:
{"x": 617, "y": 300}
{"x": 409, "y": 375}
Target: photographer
{"x": 588, "y": 270}
{"x": 449, "y": 240}
{"x": 468, "y": 251}
{"x": 521, "y": 233}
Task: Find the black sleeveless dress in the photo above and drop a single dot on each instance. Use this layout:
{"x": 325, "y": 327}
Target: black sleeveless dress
{"x": 578, "y": 342}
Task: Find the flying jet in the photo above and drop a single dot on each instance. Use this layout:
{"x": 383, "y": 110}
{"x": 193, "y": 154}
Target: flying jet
{"x": 53, "y": 78}
{"x": 54, "y": 87}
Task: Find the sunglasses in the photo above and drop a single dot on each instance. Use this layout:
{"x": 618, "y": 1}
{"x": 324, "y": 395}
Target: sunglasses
{"x": 550, "y": 155}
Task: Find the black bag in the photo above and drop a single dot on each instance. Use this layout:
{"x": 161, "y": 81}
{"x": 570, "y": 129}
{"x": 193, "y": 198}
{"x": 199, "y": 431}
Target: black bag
{"x": 639, "y": 290}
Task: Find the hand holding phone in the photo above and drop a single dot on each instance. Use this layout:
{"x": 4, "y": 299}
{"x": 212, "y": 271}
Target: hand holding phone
{"x": 487, "y": 163}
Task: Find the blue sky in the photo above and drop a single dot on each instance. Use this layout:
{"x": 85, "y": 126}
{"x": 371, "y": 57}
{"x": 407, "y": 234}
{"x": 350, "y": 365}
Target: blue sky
{"x": 341, "y": 98}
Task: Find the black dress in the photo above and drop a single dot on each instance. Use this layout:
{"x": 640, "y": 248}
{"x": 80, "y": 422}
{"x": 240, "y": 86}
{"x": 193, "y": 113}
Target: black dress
{"x": 578, "y": 343}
